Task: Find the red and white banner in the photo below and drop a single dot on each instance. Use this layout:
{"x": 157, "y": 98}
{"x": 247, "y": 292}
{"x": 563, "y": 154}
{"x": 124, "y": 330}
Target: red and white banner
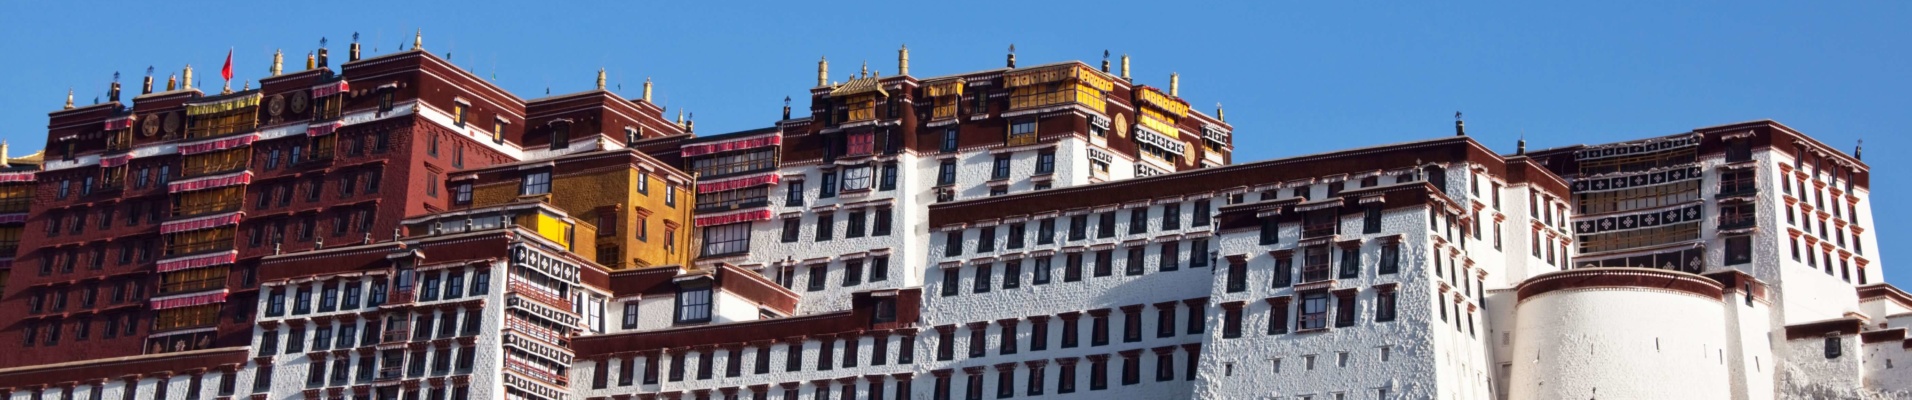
{"x": 330, "y": 89}
{"x": 236, "y": 178}
{"x": 200, "y": 223}
{"x": 119, "y": 123}
{"x": 114, "y": 161}
{"x": 10, "y": 177}
{"x": 197, "y": 261}
{"x": 323, "y": 129}
{"x": 217, "y": 144}
{"x": 189, "y": 300}
{"x": 731, "y": 218}
{"x": 728, "y": 184}
{"x": 13, "y": 218}
{"x": 740, "y": 144}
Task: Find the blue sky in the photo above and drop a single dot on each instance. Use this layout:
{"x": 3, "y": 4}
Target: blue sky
{"x": 1295, "y": 77}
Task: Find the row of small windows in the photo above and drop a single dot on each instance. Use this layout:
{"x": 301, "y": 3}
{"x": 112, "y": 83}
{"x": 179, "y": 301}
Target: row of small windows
{"x": 1169, "y": 257}
{"x": 1069, "y": 375}
{"x": 1078, "y": 228}
{"x": 859, "y": 223}
{"x": 853, "y": 273}
{"x": 678, "y": 366}
{"x": 1008, "y": 338}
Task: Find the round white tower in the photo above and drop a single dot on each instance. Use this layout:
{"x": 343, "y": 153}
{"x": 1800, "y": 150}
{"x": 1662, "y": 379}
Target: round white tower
{"x": 1619, "y": 333}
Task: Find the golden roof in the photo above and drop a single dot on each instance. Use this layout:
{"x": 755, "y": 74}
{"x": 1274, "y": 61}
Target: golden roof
{"x": 859, "y": 86}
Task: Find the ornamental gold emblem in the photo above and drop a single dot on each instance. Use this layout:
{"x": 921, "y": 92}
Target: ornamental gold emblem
{"x": 298, "y": 101}
{"x": 149, "y": 125}
{"x": 1121, "y": 126}
{"x": 277, "y": 105}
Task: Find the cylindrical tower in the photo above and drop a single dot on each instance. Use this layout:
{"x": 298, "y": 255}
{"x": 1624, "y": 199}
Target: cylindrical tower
{"x": 1620, "y": 333}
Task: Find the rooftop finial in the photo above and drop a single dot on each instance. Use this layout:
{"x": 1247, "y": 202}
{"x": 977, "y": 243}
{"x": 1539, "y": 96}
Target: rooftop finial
{"x": 146, "y": 87}
{"x": 1520, "y": 148}
{"x": 113, "y": 91}
{"x": 1460, "y": 127}
{"x": 1105, "y": 61}
{"x": 1012, "y": 55}
{"x": 786, "y": 107}
{"x": 1218, "y": 113}
{"x": 600, "y": 80}
{"x": 1125, "y": 68}
{"x": 823, "y": 71}
{"x": 354, "y": 55}
{"x": 647, "y": 88}
{"x": 418, "y": 40}
{"x": 69, "y": 98}
{"x": 1858, "y": 152}
{"x": 311, "y": 61}
{"x": 3, "y": 154}
{"x": 1175, "y": 84}
{"x": 278, "y": 62}
{"x": 903, "y": 60}
{"x": 865, "y": 72}
{"x": 172, "y": 82}
{"x": 187, "y": 77}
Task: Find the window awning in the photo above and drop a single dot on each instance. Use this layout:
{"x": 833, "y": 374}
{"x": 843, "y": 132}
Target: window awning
{"x": 739, "y": 144}
{"x": 731, "y": 218}
{"x": 194, "y": 224}
{"x": 197, "y": 261}
{"x": 1099, "y": 155}
{"x": 115, "y": 160}
{"x": 215, "y": 181}
{"x": 10, "y": 177}
{"x": 120, "y": 123}
{"x": 323, "y": 129}
{"x": 738, "y": 183}
{"x": 189, "y": 300}
{"x": 214, "y": 145}
{"x": 329, "y": 89}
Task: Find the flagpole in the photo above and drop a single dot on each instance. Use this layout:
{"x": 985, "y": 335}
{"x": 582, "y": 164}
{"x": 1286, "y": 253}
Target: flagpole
{"x": 226, "y": 72}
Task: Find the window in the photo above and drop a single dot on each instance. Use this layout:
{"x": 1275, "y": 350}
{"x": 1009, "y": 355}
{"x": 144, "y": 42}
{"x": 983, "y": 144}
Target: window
{"x": 981, "y": 279}
{"x": 460, "y": 193}
{"x": 852, "y": 272}
{"x": 1045, "y": 162}
{"x": 888, "y": 181}
{"x": 793, "y": 194}
{"x": 1041, "y": 271}
{"x": 1384, "y": 305}
{"x": 693, "y": 302}
{"x": 1350, "y": 262}
{"x": 1171, "y": 216}
{"x": 1099, "y": 329}
{"x": 986, "y": 239}
{"x": 949, "y": 139}
{"x": 828, "y": 188}
{"x": 855, "y": 179}
{"x": 818, "y": 276}
{"x": 1170, "y": 257}
{"x": 791, "y": 227}
{"x": 952, "y": 243}
{"x": 1739, "y": 250}
{"x": 1072, "y": 271}
{"x": 1105, "y": 225}
{"x": 946, "y": 173}
{"x": 826, "y": 226}
{"x": 727, "y": 239}
{"x": 1231, "y": 321}
{"x": 881, "y": 226}
{"x": 1139, "y": 220}
{"x": 1000, "y": 168}
{"x": 1344, "y": 308}
{"x": 1314, "y": 311}
{"x": 1237, "y": 277}
{"x": 1270, "y": 231}
{"x": 534, "y": 184}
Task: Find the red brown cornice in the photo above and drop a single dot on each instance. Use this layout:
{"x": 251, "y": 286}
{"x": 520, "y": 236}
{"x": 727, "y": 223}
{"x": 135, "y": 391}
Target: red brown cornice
{"x": 1620, "y": 278}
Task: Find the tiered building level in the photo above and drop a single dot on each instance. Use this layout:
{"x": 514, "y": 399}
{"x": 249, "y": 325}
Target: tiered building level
{"x": 397, "y": 228}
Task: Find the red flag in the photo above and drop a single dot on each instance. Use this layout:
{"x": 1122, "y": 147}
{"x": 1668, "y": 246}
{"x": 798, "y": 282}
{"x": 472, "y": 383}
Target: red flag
{"x": 227, "y": 71}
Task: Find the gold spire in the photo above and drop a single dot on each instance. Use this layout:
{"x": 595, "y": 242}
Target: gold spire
{"x": 69, "y": 98}
{"x": 903, "y": 60}
{"x": 600, "y": 81}
{"x": 172, "y": 82}
{"x": 187, "y": 78}
{"x": 3, "y": 154}
{"x": 1125, "y": 68}
{"x": 823, "y": 71}
{"x": 1175, "y": 84}
{"x": 680, "y": 117}
{"x": 1218, "y": 113}
{"x": 418, "y": 40}
{"x": 278, "y": 62}
{"x": 865, "y": 73}
{"x": 647, "y": 88}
